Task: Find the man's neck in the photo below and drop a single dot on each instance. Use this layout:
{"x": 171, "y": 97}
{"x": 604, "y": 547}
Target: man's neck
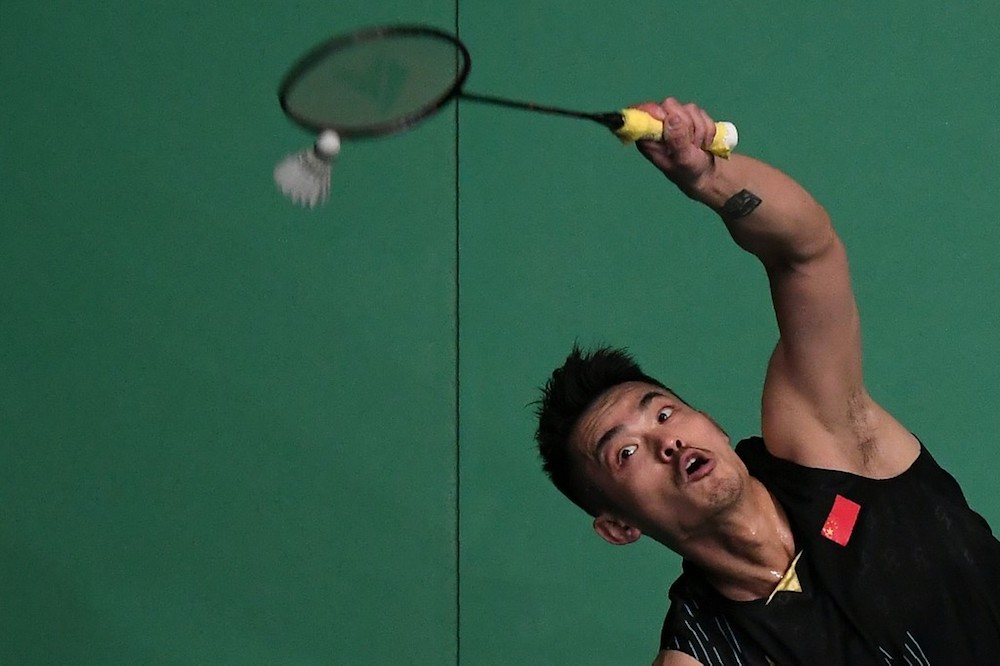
{"x": 747, "y": 554}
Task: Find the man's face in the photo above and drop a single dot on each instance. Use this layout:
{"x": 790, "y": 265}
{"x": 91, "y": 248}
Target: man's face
{"x": 664, "y": 468}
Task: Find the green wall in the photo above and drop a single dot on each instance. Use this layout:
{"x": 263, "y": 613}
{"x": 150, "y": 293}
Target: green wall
{"x": 237, "y": 432}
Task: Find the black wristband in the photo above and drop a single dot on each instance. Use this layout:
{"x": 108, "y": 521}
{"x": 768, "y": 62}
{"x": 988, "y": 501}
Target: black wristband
{"x": 739, "y": 205}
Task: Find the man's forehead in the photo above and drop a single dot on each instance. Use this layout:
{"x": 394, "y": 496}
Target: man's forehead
{"x": 611, "y": 405}
{"x": 626, "y": 395}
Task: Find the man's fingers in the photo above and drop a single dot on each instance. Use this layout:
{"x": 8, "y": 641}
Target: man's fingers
{"x": 652, "y": 109}
{"x": 678, "y": 126}
{"x": 687, "y": 132}
{"x": 704, "y": 126}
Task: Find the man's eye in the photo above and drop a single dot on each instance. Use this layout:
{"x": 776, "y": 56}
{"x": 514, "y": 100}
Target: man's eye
{"x": 627, "y": 453}
{"x": 664, "y": 414}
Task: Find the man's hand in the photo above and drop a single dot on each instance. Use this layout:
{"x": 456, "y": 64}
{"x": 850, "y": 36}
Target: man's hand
{"x": 687, "y": 133}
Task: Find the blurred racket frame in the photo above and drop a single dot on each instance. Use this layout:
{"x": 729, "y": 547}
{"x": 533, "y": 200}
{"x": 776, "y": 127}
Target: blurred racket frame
{"x": 340, "y": 102}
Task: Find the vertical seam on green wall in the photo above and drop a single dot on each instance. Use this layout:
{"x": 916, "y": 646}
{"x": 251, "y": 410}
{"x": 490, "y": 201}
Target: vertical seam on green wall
{"x": 458, "y": 358}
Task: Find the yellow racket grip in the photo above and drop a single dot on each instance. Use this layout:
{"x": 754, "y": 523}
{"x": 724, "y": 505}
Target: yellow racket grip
{"x": 639, "y": 125}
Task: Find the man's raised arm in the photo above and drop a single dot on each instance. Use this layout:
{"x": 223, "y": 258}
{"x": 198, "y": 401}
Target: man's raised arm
{"x": 815, "y": 409}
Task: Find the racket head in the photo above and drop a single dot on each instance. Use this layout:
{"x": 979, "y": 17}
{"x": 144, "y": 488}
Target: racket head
{"x": 375, "y": 81}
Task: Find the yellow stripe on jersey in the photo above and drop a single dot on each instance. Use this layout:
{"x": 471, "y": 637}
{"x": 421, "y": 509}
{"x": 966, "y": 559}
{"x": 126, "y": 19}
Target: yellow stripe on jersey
{"x": 789, "y": 582}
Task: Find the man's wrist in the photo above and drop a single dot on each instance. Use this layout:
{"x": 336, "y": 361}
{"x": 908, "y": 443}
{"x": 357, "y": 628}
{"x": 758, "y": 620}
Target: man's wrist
{"x": 727, "y": 196}
{"x": 702, "y": 187}
{"x": 710, "y": 188}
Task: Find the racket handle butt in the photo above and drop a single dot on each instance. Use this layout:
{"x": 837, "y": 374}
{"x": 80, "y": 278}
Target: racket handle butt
{"x": 725, "y": 140}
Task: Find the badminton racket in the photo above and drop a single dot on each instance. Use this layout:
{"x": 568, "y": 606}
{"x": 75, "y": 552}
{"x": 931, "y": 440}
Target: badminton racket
{"x": 383, "y": 80}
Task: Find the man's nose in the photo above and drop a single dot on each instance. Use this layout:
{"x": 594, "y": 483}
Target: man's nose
{"x": 667, "y": 447}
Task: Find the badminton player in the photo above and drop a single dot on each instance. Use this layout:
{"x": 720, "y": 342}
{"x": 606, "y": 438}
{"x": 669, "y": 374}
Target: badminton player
{"x": 834, "y": 537}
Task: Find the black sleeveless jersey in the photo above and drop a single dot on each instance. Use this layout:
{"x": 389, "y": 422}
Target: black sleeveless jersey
{"x": 893, "y": 571}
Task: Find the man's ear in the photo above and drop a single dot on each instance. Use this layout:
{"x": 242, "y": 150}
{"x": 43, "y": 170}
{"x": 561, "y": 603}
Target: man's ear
{"x": 615, "y": 531}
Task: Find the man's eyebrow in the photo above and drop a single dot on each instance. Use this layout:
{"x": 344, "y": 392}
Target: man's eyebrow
{"x": 610, "y": 434}
{"x": 603, "y": 441}
{"x": 648, "y": 398}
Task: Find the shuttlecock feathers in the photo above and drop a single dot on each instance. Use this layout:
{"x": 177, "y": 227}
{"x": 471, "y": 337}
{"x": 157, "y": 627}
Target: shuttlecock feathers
{"x": 304, "y": 177}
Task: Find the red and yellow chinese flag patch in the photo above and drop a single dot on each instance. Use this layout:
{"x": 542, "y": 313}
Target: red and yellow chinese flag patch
{"x": 840, "y": 523}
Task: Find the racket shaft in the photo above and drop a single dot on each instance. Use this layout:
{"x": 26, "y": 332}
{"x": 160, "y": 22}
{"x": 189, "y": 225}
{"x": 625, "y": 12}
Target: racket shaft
{"x": 526, "y": 106}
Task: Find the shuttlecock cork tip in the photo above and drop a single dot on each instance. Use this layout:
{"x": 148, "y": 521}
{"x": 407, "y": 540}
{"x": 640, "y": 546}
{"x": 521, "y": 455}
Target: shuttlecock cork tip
{"x": 328, "y": 144}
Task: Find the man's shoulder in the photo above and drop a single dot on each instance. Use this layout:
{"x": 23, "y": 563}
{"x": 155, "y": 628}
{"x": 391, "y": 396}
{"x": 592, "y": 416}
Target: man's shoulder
{"x": 755, "y": 455}
{"x": 697, "y": 625}
{"x": 751, "y": 446}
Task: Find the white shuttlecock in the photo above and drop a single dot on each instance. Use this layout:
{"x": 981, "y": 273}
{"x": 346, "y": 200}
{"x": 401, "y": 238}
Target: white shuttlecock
{"x": 305, "y": 177}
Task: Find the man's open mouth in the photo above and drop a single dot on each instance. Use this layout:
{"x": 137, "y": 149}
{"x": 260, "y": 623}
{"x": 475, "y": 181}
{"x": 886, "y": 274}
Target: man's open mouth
{"x": 695, "y": 465}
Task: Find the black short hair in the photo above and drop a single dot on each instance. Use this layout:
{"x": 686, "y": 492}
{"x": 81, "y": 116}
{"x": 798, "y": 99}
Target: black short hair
{"x": 567, "y": 394}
